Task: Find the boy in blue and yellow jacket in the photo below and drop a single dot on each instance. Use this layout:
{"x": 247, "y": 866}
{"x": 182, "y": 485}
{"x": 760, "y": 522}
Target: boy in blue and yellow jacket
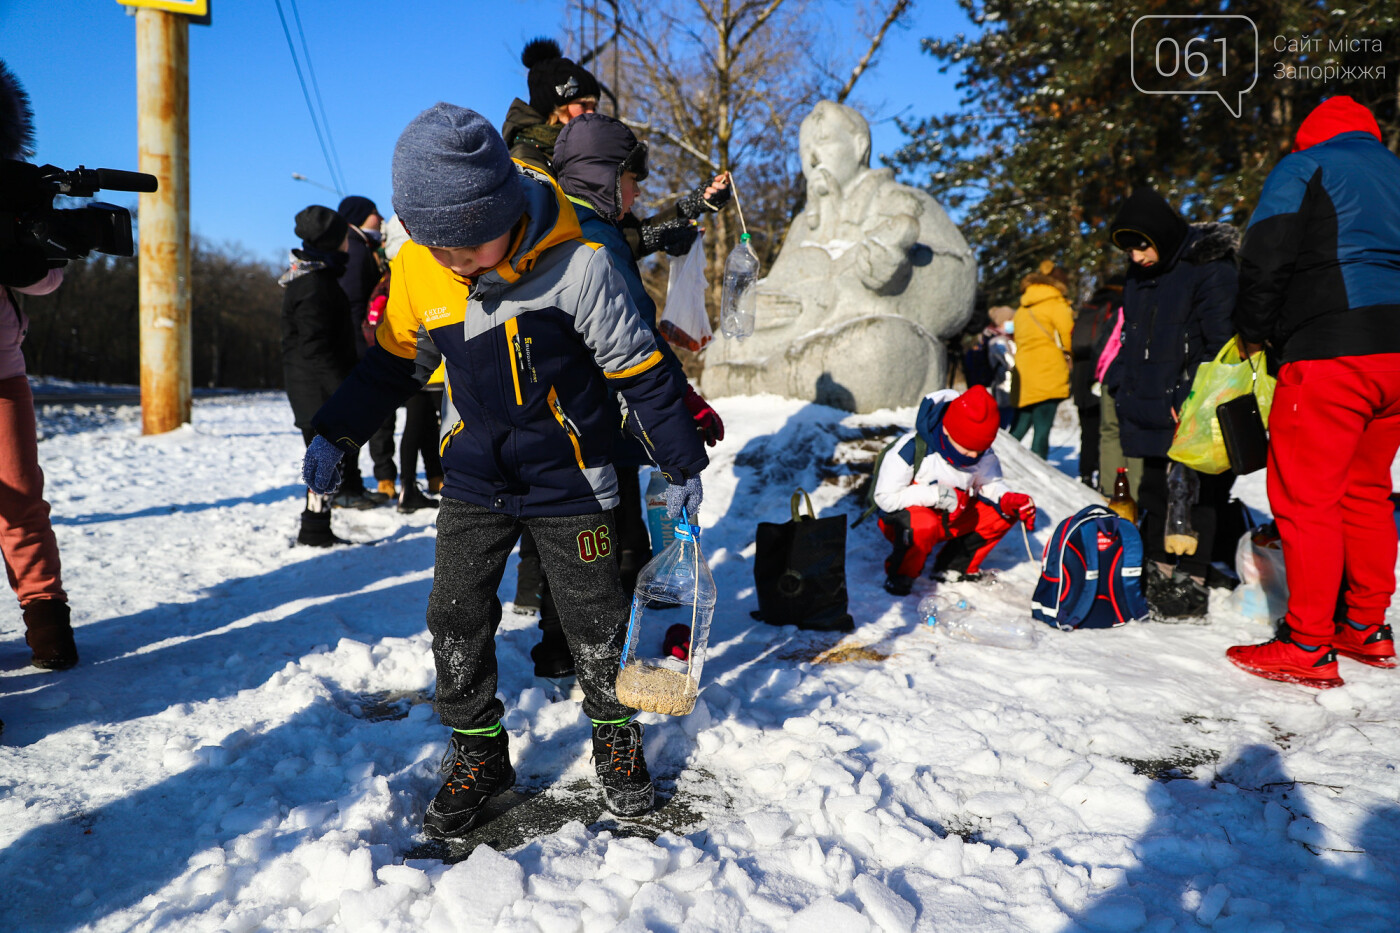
{"x": 537, "y": 333}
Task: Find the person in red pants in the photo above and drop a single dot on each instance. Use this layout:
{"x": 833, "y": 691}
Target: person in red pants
{"x": 942, "y": 483}
{"x": 1320, "y": 286}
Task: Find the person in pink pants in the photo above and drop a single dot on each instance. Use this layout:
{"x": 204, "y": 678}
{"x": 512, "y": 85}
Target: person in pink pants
{"x": 26, "y": 536}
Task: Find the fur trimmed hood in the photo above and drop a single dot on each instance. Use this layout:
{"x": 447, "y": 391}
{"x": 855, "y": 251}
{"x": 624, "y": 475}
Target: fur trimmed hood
{"x": 1047, "y": 274}
{"x": 1211, "y": 241}
{"x": 16, "y": 118}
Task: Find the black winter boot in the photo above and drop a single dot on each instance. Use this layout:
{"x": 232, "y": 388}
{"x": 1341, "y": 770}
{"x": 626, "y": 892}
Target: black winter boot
{"x": 1174, "y": 596}
{"x": 412, "y": 499}
{"x": 897, "y": 585}
{"x": 316, "y": 530}
{"x": 49, "y": 634}
{"x": 622, "y": 768}
{"x": 477, "y": 768}
{"x": 951, "y": 562}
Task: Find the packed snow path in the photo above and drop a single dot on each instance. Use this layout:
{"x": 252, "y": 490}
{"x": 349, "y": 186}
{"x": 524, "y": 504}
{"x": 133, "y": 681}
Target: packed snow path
{"x": 244, "y": 748}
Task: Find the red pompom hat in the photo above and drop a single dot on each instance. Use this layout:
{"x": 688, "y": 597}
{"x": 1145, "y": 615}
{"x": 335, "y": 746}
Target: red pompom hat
{"x": 1333, "y": 117}
{"x": 972, "y": 419}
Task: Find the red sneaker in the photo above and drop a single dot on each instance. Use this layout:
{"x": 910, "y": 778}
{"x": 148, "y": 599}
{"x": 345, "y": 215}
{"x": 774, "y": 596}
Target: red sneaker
{"x": 1370, "y": 644}
{"x": 1283, "y": 660}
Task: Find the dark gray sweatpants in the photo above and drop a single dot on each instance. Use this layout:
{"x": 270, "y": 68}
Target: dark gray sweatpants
{"x": 576, "y": 553}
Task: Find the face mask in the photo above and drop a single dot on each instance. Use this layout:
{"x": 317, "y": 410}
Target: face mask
{"x": 1009, "y": 327}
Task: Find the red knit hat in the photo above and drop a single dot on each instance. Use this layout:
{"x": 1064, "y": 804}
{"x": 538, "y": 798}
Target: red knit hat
{"x": 1332, "y": 117}
{"x": 972, "y": 419}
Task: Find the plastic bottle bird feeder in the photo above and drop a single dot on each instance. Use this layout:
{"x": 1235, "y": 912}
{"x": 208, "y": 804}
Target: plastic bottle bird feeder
{"x": 674, "y": 589}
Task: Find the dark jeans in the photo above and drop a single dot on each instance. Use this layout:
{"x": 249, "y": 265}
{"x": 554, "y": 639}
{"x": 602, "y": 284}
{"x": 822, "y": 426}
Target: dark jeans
{"x": 1039, "y": 416}
{"x": 473, "y": 545}
{"x": 381, "y": 451}
{"x": 1211, "y": 506}
{"x": 420, "y": 435}
{"x": 1088, "y": 441}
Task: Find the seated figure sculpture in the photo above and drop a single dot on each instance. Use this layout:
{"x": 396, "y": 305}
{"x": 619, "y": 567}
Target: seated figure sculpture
{"x": 870, "y": 281}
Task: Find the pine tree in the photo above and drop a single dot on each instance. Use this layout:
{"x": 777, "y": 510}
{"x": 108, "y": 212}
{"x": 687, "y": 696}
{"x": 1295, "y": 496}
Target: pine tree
{"x": 1052, "y": 134}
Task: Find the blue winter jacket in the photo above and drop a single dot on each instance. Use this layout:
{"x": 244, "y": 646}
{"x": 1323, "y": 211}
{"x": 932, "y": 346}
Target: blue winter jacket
{"x": 1320, "y": 265}
{"x": 535, "y": 350}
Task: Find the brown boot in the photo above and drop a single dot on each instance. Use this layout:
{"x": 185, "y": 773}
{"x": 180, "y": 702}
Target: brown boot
{"x": 49, "y": 634}
{"x": 434, "y": 485}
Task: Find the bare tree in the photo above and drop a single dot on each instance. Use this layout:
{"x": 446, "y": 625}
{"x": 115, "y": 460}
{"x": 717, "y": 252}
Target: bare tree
{"x": 722, "y": 85}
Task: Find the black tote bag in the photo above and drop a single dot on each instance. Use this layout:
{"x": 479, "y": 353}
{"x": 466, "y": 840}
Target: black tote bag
{"x": 1242, "y": 428}
{"x": 799, "y": 571}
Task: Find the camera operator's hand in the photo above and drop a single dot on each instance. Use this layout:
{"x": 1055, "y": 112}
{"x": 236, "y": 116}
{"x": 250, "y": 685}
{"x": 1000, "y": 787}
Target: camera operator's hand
{"x": 320, "y": 468}
{"x": 673, "y": 236}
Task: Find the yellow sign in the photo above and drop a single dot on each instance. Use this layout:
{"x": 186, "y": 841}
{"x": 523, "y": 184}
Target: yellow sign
{"x": 188, "y": 7}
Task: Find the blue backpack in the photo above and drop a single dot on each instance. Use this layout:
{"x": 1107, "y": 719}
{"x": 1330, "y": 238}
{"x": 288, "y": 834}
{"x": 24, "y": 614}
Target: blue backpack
{"x": 1091, "y": 575}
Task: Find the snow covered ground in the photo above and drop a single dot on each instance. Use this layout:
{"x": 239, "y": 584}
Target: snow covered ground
{"x": 244, "y": 745}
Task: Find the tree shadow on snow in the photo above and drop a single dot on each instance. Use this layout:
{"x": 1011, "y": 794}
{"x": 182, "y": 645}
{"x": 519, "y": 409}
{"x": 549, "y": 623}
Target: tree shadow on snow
{"x": 1243, "y": 852}
{"x": 63, "y": 876}
{"x": 267, "y": 496}
{"x": 126, "y": 672}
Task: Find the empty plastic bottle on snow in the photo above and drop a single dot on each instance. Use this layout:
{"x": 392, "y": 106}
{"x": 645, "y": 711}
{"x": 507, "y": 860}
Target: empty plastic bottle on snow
{"x": 675, "y": 587}
{"x": 1005, "y": 632}
{"x": 928, "y": 610}
{"x": 736, "y": 310}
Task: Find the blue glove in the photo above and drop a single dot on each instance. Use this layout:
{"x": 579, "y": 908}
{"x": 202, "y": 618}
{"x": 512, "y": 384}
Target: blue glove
{"x": 684, "y": 497}
{"x": 320, "y": 468}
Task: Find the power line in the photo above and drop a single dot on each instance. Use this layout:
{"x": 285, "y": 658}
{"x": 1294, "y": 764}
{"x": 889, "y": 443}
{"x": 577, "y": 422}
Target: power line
{"x": 316, "y": 90}
{"x": 306, "y": 95}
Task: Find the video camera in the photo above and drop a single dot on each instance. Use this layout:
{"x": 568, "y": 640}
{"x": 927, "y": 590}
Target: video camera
{"x": 31, "y": 227}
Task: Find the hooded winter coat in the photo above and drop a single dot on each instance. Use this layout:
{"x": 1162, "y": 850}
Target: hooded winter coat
{"x": 1176, "y": 315}
{"x": 532, "y": 140}
{"x": 1320, "y": 265}
{"x": 318, "y": 340}
{"x": 592, "y": 153}
{"x": 534, "y": 350}
{"x": 529, "y": 136}
{"x": 1044, "y": 324}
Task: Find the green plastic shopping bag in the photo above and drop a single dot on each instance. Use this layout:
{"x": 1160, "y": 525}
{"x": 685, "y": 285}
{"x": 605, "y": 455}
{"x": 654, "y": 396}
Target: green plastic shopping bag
{"x": 1198, "y": 442}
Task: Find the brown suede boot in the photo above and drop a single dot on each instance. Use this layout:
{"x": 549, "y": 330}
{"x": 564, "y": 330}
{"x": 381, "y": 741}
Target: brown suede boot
{"x": 49, "y": 634}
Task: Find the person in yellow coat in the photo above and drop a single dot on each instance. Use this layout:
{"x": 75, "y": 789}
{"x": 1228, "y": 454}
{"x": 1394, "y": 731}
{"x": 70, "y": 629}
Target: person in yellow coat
{"x": 1043, "y": 324}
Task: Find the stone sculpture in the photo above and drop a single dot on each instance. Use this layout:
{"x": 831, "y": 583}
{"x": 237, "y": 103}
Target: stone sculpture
{"x": 870, "y": 281}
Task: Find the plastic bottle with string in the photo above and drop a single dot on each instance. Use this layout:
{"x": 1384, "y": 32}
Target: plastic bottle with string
{"x": 739, "y": 299}
{"x": 672, "y": 606}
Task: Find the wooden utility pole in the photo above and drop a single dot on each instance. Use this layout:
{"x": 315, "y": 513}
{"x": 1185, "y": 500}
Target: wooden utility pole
{"x": 163, "y": 121}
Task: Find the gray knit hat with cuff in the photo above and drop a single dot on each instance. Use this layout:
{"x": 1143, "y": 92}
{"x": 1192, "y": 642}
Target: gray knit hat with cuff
{"x": 454, "y": 181}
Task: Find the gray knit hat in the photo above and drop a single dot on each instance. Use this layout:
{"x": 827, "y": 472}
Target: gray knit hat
{"x": 454, "y": 182}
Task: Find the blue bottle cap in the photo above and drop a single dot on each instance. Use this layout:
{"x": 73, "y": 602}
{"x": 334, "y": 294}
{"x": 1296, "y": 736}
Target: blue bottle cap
{"x": 687, "y": 532}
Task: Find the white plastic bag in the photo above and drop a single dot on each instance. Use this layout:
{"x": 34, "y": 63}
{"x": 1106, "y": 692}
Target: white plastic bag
{"x": 684, "y": 323}
{"x": 1263, "y": 591}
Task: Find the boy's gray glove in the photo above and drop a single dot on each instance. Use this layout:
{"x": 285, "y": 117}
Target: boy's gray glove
{"x": 685, "y": 497}
{"x": 320, "y": 468}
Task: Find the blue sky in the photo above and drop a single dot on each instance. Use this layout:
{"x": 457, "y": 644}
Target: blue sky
{"x": 377, "y": 63}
